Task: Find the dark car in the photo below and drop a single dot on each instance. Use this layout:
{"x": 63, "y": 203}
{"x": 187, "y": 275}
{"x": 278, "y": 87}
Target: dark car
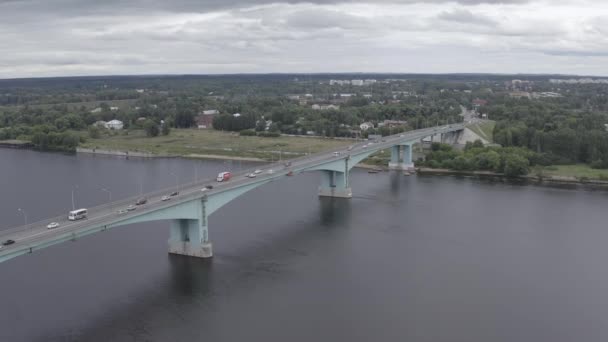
{"x": 141, "y": 201}
{"x": 8, "y": 242}
{"x": 174, "y": 193}
{"x": 209, "y": 187}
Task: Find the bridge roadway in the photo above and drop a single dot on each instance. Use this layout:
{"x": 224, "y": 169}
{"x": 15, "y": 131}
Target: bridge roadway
{"x": 36, "y": 236}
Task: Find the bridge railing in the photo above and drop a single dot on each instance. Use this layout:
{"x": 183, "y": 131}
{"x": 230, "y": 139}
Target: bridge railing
{"x": 122, "y": 203}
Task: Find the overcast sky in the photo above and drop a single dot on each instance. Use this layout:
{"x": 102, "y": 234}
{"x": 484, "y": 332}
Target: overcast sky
{"x": 101, "y": 37}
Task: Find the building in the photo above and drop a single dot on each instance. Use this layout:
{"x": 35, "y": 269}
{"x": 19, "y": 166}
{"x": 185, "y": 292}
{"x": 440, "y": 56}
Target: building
{"x": 366, "y": 125}
{"x": 546, "y": 94}
{"x": 237, "y": 115}
{"x": 205, "y": 119}
{"x": 479, "y": 103}
{"x": 519, "y": 94}
{"x": 325, "y": 107}
{"x": 357, "y": 83}
{"x": 100, "y": 124}
{"x": 114, "y": 124}
{"x": 96, "y": 110}
{"x": 113, "y": 109}
{"x": 338, "y": 82}
{"x": 393, "y": 123}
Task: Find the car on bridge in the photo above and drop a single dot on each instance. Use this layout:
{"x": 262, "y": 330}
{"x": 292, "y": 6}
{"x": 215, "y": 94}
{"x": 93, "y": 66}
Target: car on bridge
{"x": 251, "y": 175}
{"x": 52, "y": 225}
{"x": 165, "y": 198}
{"x": 8, "y": 242}
{"x": 174, "y": 193}
{"x": 122, "y": 211}
{"x": 131, "y": 207}
{"x": 257, "y": 172}
{"x": 141, "y": 201}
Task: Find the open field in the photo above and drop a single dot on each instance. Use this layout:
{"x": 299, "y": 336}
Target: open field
{"x": 121, "y": 104}
{"x": 484, "y": 129}
{"x": 578, "y": 171}
{"x": 193, "y": 142}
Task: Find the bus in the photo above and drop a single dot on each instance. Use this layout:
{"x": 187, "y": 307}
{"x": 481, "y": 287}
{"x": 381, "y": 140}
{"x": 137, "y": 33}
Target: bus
{"x": 77, "y": 214}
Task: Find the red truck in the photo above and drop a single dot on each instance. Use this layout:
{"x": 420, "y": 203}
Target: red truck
{"x": 223, "y": 176}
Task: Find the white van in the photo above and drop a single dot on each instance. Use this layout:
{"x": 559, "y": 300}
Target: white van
{"x": 77, "y": 214}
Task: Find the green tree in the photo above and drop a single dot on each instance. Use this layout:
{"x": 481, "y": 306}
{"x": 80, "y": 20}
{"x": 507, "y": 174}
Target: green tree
{"x": 516, "y": 165}
{"x": 94, "y": 132}
{"x": 165, "y": 129}
{"x": 151, "y": 128}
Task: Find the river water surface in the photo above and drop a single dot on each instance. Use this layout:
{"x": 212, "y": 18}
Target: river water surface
{"x": 416, "y": 258}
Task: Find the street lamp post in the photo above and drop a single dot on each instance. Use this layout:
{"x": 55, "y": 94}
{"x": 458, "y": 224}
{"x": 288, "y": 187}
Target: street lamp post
{"x": 24, "y": 215}
{"x": 73, "y": 203}
{"x": 110, "y": 196}
{"x": 176, "y": 180}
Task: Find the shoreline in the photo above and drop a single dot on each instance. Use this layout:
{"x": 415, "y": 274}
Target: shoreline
{"x": 527, "y": 178}
{"x": 419, "y": 170}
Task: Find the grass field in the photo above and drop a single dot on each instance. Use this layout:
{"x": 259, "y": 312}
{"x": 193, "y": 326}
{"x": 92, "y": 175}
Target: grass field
{"x": 578, "y": 171}
{"x": 191, "y": 142}
{"x": 484, "y": 129}
{"x": 122, "y": 104}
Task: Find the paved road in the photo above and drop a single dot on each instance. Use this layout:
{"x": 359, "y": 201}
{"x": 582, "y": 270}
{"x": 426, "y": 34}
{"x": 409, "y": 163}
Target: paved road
{"x": 35, "y": 235}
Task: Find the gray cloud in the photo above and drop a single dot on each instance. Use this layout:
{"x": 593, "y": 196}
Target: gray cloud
{"x": 70, "y": 37}
{"x": 466, "y": 17}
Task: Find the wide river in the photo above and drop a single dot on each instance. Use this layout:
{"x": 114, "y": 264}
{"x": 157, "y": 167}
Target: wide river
{"x": 416, "y": 258}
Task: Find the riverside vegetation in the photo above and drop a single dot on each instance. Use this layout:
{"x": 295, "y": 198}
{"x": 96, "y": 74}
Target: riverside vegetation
{"x": 562, "y": 133}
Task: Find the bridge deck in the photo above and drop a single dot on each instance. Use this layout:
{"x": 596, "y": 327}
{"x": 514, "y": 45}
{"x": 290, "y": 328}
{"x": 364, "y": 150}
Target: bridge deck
{"x": 36, "y": 235}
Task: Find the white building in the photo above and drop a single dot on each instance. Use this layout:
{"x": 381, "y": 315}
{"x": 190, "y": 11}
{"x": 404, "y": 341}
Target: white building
{"x": 113, "y": 109}
{"x": 236, "y": 115}
{"x": 325, "y": 107}
{"x": 356, "y": 82}
{"x": 114, "y": 124}
{"x": 339, "y": 82}
{"x": 211, "y": 112}
{"x": 366, "y": 125}
{"x": 96, "y": 110}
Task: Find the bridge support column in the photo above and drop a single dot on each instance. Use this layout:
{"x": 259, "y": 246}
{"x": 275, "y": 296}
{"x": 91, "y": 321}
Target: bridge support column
{"x": 401, "y": 157}
{"x": 407, "y": 157}
{"x": 395, "y": 163}
{"x": 191, "y": 237}
{"x": 335, "y": 184}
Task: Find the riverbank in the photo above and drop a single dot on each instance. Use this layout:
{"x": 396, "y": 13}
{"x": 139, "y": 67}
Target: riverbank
{"x": 548, "y": 178}
{"x": 16, "y": 144}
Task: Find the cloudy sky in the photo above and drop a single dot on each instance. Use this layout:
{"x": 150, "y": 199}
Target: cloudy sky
{"x": 100, "y": 37}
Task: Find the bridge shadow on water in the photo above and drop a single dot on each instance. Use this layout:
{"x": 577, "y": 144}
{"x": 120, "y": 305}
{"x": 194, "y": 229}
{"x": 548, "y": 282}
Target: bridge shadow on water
{"x": 192, "y": 290}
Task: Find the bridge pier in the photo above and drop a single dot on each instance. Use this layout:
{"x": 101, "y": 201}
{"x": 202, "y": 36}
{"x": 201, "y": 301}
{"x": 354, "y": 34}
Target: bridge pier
{"x": 335, "y": 184}
{"x": 189, "y": 237}
{"x": 401, "y": 157}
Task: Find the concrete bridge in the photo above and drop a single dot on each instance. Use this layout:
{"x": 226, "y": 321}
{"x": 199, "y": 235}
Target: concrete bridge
{"x": 189, "y": 211}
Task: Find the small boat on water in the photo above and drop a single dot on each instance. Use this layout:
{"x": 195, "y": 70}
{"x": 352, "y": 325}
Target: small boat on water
{"x": 372, "y": 171}
{"x": 406, "y": 173}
